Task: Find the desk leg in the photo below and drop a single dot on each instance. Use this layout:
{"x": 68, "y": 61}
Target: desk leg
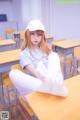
{"x": 74, "y": 65}
{"x": 65, "y": 68}
{"x": 1, "y": 89}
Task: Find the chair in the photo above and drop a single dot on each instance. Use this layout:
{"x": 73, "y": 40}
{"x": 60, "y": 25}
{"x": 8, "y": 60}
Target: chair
{"x": 11, "y": 98}
{"x": 9, "y": 33}
{"x": 20, "y": 108}
{"x": 68, "y": 63}
{"x": 9, "y": 102}
{"x": 77, "y": 55}
{"x": 19, "y": 37}
{"x": 22, "y": 35}
{"x": 18, "y": 66}
{"x": 68, "y": 59}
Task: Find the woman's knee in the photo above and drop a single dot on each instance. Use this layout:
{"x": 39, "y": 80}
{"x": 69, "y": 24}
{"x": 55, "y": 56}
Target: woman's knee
{"x": 26, "y": 81}
{"x": 14, "y": 73}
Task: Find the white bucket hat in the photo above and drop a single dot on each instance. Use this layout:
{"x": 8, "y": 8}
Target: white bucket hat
{"x": 35, "y": 25}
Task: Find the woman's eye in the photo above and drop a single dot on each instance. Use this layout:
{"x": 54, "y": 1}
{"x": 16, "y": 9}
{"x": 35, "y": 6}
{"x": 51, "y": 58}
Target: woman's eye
{"x": 32, "y": 33}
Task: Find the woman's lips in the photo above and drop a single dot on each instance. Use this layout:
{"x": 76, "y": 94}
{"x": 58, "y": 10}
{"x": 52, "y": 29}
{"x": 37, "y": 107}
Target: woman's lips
{"x": 35, "y": 41}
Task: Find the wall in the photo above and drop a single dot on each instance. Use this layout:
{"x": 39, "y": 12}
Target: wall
{"x": 30, "y": 10}
{"x": 6, "y": 7}
{"x": 60, "y": 20}
{"x": 38, "y": 9}
{"x": 66, "y": 21}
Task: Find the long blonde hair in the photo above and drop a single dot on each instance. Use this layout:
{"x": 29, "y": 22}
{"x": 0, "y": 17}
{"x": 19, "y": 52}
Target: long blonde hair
{"x": 43, "y": 44}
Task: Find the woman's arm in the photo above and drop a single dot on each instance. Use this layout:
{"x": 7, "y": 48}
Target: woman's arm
{"x": 35, "y": 73}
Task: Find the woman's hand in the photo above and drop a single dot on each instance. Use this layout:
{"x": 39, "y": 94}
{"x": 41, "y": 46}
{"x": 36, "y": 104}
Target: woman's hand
{"x": 35, "y": 73}
{"x": 41, "y": 77}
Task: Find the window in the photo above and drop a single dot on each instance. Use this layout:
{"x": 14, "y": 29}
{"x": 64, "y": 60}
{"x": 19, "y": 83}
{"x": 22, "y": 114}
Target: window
{"x": 3, "y": 17}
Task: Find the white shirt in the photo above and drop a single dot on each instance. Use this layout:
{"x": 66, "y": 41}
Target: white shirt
{"x": 51, "y": 62}
{"x": 33, "y": 57}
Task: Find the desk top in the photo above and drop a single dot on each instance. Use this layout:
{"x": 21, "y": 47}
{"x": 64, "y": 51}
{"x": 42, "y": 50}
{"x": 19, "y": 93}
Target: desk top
{"x": 67, "y": 43}
{"x": 9, "y": 56}
{"x": 49, "y": 107}
{"x": 49, "y": 37}
{"x": 7, "y": 42}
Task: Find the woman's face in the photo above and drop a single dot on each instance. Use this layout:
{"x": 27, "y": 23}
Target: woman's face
{"x": 36, "y": 37}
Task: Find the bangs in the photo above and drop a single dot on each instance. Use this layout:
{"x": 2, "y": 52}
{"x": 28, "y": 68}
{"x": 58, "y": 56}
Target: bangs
{"x": 28, "y": 44}
{"x": 39, "y": 32}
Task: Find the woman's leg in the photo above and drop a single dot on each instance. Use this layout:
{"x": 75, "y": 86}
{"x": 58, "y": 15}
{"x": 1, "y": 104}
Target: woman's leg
{"x": 24, "y": 82}
{"x": 55, "y": 75}
{"x": 54, "y": 68}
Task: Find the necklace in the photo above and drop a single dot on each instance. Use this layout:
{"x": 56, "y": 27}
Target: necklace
{"x": 36, "y": 58}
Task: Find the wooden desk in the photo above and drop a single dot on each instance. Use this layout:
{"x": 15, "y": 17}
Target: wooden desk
{"x": 48, "y": 107}
{"x": 7, "y": 59}
{"x": 49, "y": 37}
{"x": 66, "y": 47}
{"x": 7, "y": 45}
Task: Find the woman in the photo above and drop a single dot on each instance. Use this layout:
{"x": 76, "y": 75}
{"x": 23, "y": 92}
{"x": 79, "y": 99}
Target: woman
{"x": 41, "y": 63}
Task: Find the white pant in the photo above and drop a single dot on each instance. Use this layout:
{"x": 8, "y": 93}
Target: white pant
{"x": 54, "y": 79}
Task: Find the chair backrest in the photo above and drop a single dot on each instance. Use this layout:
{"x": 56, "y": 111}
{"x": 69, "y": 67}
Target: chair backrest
{"x": 77, "y": 52}
{"x": 18, "y": 66}
{"x": 9, "y": 33}
{"x": 22, "y": 35}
